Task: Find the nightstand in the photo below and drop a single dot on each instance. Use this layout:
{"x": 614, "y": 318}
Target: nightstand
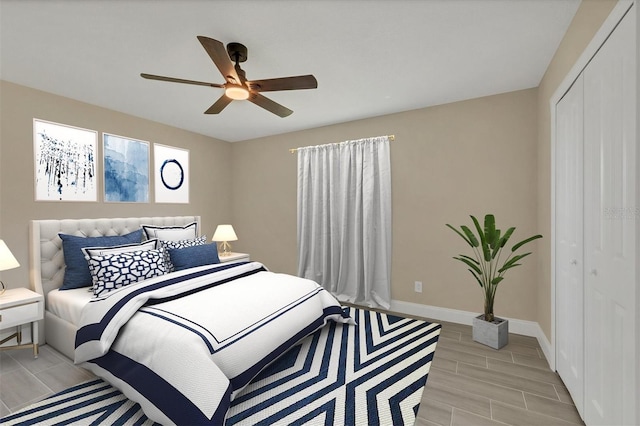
{"x": 19, "y": 306}
{"x": 234, "y": 257}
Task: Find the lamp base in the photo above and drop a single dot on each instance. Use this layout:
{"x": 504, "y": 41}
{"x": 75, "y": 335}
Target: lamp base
{"x": 226, "y": 249}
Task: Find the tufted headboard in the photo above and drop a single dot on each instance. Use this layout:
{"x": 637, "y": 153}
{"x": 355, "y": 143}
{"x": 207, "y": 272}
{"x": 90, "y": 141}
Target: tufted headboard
{"x": 45, "y": 253}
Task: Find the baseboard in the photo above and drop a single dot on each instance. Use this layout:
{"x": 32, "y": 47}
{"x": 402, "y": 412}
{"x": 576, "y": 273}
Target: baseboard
{"x": 433, "y": 312}
{"x": 517, "y": 326}
{"x": 547, "y": 348}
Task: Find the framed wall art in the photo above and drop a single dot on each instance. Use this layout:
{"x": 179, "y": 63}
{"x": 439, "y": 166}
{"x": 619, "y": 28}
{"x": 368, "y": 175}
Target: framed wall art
{"x": 126, "y": 169}
{"x": 65, "y": 162}
{"x": 171, "y": 173}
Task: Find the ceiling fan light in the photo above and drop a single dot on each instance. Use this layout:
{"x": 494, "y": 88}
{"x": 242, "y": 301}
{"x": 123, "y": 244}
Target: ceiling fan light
{"x": 237, "y": 93}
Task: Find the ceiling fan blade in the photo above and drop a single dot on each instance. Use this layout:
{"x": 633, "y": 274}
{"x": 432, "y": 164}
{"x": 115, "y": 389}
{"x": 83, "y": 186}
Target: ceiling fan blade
{"x": 269, "y": 105}
{"x": 179, "y": 80}
{"x": 219, "y": 105}
{"x": 220, "y": 58}
{"x": 284, "y": 83}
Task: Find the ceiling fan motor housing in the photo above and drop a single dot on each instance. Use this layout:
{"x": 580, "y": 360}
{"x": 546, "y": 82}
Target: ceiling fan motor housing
{"x": 237, "y": 52}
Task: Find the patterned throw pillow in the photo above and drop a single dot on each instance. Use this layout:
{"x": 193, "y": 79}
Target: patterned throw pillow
{"x": 113, "y": 271}
{"x": 171, "y": 245}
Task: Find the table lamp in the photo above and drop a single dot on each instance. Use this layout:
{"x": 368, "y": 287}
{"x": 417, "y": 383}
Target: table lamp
{"x": 7, "y": 261}
{"x": 224, "y": 234}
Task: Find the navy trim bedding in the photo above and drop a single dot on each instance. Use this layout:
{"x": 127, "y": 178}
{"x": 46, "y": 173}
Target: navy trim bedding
{"x": 185, "y": 344}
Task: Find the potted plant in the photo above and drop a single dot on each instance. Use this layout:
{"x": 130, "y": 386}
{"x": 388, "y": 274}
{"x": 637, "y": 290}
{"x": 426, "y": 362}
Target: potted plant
{"x": 486, "y": 267}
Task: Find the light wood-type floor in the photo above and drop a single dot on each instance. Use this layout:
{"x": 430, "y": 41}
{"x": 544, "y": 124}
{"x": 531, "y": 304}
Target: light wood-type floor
{"x": 25, "y": 380}
{"x": 473, "y": 384}
{"x": 469, "y": 384}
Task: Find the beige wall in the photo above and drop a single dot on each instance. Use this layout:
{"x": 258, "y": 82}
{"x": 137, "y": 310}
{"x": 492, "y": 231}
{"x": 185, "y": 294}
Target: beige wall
{"x": 210, "y": 161}
{"x": 588, "y": 19}
{"x": 449, "y": 161}
{"x": 484, "y": 155}
{"x": 442, "y": 161}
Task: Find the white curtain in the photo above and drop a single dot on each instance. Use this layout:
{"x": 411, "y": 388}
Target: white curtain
{"x": 344, "y": 219}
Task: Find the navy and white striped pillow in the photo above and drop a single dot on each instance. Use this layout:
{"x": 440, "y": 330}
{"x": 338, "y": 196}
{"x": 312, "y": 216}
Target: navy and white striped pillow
{"x": 171, "y": 232}
{"x": 90, "y": 252}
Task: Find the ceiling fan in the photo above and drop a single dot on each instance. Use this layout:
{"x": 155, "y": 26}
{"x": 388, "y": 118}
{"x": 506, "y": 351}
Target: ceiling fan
{"x": 237, "y": 87}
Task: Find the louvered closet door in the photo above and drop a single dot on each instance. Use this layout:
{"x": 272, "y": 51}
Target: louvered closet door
{"x": 610, "y": 230}
{"x": 569, "y": 242}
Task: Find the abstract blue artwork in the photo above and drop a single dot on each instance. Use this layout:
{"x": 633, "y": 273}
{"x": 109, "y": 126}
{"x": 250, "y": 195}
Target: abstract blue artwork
{"x": 65, "y": 162}
{"x": 126, "y": 169}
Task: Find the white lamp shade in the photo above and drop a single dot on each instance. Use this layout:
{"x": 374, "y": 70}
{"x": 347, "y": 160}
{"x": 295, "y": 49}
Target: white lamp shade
{"x": 7, "y": 260}
{"x": 225, "y": 233}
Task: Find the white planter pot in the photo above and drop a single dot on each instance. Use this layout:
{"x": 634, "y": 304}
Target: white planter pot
{"x": 493, "y": 334}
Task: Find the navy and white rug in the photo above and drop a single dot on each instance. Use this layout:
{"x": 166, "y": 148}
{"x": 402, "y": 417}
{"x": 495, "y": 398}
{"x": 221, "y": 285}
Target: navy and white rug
{"x": 369, "y": 374}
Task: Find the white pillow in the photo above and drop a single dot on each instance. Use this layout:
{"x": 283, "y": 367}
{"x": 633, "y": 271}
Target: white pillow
{"x": 171, "y": 233}
{"x": 90, "y": 252}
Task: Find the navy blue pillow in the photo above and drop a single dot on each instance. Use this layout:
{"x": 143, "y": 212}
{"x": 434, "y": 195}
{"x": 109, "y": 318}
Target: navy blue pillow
{"x": 77, "y": 274}
{"x": 190, "y": 257}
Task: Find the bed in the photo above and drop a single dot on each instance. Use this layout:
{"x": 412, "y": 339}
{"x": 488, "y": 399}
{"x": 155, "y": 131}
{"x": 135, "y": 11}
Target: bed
{"x": 47, "y": 268}
{"x": 183, "y": 338}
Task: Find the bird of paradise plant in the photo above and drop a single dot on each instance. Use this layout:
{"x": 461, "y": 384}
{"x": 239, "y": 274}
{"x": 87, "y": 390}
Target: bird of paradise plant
{"x": 487, "y": 248}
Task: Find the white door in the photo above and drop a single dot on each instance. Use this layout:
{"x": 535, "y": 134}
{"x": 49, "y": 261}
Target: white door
{"x": 569, "y": 242}
{"x": 611, "y": 361}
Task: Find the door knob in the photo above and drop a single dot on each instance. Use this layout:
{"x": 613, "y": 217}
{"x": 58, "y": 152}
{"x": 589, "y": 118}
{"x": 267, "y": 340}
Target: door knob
{"x": 574, "y": 262}
{"x": 594, "y": 272}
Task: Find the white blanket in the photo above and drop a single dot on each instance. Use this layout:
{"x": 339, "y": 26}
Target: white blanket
{"x": 183, "y": 345}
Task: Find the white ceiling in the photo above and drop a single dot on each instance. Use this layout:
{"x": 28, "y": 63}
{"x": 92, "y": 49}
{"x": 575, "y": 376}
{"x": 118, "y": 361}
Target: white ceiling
{"x": 370, "y": 57}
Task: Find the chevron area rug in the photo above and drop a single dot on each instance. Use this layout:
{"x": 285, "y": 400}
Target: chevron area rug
{"x": 369, "y": 374}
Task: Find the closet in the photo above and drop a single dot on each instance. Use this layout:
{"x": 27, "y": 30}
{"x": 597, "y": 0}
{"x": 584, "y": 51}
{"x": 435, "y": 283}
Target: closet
{"x": 596, "y": 233}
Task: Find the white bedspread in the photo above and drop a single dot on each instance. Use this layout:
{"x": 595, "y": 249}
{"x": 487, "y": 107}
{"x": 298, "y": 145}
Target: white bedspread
{"x": 185, "y": 344}
{"x": 68, "y": 304}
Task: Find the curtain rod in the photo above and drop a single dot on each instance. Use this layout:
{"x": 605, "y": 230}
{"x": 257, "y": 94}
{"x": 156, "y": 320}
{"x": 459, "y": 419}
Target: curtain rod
{"x": 391, "y": 138}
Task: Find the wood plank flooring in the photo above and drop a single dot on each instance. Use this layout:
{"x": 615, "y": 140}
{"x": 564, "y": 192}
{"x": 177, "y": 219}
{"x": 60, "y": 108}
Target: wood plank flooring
{"x": 472, "y": 384}
{"x": 25, "y": 380}
{"x": 469, "y": 384}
